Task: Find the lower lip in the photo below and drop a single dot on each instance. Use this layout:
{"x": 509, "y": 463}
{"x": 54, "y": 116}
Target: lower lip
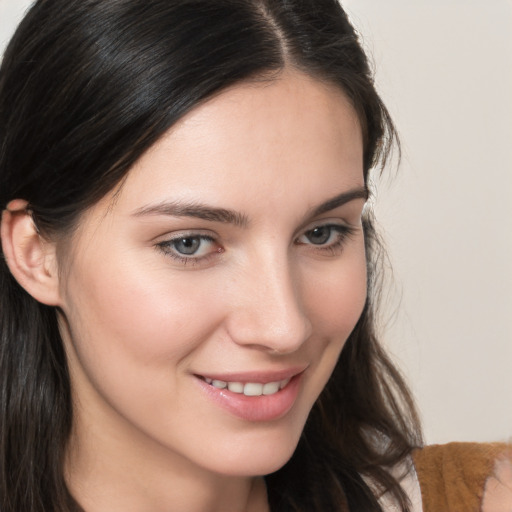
{"x": 255, "y": 408}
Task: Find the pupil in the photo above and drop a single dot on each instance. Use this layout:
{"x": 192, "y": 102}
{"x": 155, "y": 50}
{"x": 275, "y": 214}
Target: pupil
{"x": 320, "y": 235}
{"x": 187, "y": 245}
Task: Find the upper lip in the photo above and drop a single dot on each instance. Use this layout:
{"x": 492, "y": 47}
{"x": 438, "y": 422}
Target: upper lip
{"x": 257, "y": 376}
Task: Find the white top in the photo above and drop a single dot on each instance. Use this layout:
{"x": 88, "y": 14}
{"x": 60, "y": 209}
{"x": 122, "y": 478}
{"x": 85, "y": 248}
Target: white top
{"x": 411, "y": 486}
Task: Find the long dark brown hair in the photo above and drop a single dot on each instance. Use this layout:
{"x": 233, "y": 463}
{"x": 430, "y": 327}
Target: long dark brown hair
{"x": 86, "y": 87}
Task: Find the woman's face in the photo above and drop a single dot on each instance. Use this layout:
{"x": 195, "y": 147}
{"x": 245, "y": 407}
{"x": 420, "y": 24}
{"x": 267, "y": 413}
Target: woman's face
{"x": 205, "y": 303}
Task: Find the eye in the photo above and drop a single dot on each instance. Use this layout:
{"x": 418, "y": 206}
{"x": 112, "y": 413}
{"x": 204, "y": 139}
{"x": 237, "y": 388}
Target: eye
{"x": 319, "y": 235}
{"x": 322, "y": 235}
{"x": 189, "y": 247}
{"x": 328, "y": 237}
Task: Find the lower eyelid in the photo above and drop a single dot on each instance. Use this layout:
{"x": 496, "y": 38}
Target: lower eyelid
{"x": 338, "y": 243}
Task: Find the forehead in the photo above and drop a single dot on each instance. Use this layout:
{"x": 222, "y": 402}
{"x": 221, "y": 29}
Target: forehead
{"x": 255, "y": 139}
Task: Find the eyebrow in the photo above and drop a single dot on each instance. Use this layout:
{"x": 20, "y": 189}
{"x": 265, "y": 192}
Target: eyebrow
{"x": 226, "y": 216}
{"x": 340, "y": 200}
{"x": 199, "y": 211}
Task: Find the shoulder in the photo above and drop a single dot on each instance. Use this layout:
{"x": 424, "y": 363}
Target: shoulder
{"x": 464, "y": 476}
{"x": 498, "y": 487}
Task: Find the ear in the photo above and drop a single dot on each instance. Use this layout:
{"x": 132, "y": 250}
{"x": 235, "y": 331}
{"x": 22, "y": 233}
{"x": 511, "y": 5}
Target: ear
{"x": 30, "y": 258}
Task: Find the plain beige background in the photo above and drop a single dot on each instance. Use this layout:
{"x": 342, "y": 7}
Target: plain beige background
{"x": 444, "y": 69}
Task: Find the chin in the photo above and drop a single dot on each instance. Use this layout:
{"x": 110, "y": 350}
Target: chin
{"x": 258, "y": 456}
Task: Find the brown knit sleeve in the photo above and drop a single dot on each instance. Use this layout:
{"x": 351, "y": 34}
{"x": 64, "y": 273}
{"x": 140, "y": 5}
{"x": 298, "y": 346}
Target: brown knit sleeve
{"x": 452, "y": 476}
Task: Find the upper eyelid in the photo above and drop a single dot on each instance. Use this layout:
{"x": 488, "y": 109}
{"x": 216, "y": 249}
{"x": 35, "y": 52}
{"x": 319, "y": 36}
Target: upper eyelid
{"x": 192, "y": 235}
{"x": 207, "y": 233}
{"x": 342, "y": 229}
{"x": 181, "y": 236}
{"x": 326, "y": 222}
{"x": 214, "y": 237}
{"x": 185, "y": 233}
{"x": 172, "y": 236}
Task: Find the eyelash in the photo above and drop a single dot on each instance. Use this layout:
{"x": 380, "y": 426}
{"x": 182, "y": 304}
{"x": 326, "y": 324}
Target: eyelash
{"x": 168, "y": 248}
{"x": 342, "y": 233}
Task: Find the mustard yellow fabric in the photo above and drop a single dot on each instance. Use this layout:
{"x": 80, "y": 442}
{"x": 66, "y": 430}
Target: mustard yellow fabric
{"x": 452, "y": 476}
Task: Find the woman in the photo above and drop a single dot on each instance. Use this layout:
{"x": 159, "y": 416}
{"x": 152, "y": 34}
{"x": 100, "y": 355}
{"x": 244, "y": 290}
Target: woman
{"x": 189, "y": 279}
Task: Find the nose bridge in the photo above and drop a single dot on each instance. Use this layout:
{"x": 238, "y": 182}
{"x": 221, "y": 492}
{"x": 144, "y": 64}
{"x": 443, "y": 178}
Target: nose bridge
{"x": 271, "y": 313}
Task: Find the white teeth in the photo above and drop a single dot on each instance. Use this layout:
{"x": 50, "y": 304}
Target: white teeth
{"x": 253, "y": 389}
{"x": 249, "y": 388}
{"x": 236, "y": 387}
{"x": 270, "y": 388}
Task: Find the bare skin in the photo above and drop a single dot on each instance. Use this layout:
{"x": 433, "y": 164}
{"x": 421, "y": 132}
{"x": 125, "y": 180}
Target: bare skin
{"x": 498, "y": 488}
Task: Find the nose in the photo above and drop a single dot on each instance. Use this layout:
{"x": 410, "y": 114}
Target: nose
{"x": 268, "y": 310}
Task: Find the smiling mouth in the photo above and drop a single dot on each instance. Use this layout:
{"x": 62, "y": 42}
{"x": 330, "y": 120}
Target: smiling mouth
{"x": 256, "y": 396}
{"x": 249, "y": 388}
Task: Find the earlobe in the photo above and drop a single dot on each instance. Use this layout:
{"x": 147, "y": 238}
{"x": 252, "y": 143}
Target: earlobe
{"x": 30, "y": 258}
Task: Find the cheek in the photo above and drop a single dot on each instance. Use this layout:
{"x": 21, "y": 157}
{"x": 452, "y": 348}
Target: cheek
{"x": 133, "y": 331}
{"x": 337, "y": 296}
{"x": 335, "y": 301}
{"x": 140, "y": 313}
